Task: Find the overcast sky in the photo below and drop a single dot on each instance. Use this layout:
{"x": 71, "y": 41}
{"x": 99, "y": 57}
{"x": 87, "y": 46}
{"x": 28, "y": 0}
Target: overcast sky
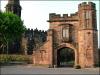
{"x": 36, "y": 13}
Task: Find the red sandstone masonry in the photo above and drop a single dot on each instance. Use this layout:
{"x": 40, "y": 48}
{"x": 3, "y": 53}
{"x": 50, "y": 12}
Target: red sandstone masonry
{"x": 84, "y": 32}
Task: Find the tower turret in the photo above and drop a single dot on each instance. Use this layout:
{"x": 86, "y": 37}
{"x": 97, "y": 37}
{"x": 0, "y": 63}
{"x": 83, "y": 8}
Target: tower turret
{"x": 87, "y": 15}
{"x": 87, "y": 34}
{"x": 14, "y": 7}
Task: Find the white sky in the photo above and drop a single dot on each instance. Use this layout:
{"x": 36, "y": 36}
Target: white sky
{"x": 36, "y": 13}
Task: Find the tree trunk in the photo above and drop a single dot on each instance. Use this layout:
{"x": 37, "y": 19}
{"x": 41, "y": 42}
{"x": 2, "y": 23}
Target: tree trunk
{"x": 7, "y": 47}
{"x": 3, "y": 49}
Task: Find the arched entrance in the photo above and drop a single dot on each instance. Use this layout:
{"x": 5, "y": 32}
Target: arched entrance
{"x": 65, "y": 57}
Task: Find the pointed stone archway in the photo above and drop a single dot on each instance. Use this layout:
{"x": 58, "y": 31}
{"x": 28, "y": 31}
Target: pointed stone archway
{"x": 65, "y": 57}
{"x": 69, "y": 46}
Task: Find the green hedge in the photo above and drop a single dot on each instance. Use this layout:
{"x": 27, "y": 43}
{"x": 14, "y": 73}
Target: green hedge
{"x": 19, "y": 58}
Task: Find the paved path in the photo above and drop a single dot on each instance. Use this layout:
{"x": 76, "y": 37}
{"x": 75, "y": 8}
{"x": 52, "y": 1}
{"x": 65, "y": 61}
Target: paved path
{"x": 46, "y": 71}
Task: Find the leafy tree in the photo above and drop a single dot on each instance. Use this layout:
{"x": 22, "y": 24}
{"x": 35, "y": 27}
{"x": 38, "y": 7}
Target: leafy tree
{"x": 11, "y": 27}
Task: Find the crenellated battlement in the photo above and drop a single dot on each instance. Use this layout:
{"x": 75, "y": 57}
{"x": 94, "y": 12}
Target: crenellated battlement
{"x": 54, "y": 16}
{"x": 87, "y": 5}
{"x": 73, "y": 14}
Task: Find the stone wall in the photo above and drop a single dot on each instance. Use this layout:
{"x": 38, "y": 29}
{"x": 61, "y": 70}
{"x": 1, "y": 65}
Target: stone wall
{"x": 81, "y": 36}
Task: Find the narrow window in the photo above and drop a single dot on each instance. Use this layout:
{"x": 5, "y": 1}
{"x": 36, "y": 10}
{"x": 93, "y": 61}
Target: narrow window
{"x": 66, "y": 33}
{"x": 88, "y": 14}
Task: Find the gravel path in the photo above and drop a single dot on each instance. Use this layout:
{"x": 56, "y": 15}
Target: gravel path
{"x": 28, "y": 69}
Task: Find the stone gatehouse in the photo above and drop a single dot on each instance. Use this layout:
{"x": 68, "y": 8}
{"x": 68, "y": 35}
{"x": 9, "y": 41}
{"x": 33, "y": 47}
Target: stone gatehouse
{"x": 77, "y": 31}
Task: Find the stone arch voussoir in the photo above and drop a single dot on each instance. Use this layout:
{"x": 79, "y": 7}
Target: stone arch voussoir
{"x": 69, "y": 46}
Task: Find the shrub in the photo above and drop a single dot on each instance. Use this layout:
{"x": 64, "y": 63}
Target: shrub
{"x": 4, "y": 59}
{"x": 11, "y": 58}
